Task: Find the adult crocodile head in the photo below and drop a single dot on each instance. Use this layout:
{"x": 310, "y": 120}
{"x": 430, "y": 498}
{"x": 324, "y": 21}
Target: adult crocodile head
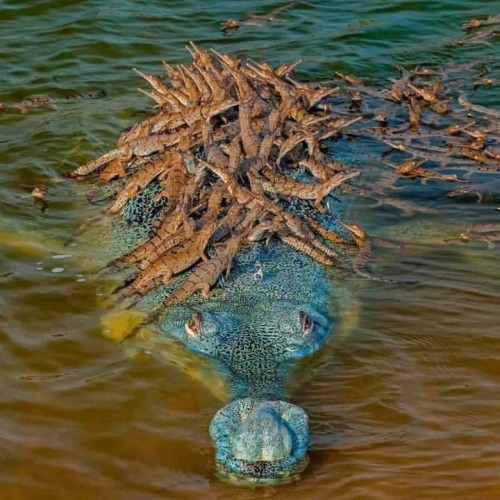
{"x": 255, "y": 331}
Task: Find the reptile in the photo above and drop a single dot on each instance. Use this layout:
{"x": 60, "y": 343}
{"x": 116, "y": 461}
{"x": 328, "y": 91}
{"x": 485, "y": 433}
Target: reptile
{"x": 225, "y": 217}
{"x": 274, "y": 309}
{"x": 228, "y": 245}
{"x": 486, "y": 191}
{"x": 50, "y": 101}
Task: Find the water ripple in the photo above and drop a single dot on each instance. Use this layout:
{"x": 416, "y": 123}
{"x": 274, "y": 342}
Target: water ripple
{"x": 406, "y": 405}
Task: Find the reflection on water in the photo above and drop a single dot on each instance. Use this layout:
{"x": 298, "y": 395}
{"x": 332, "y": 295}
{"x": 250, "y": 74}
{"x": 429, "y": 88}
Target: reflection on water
{"x": 404, "y": 405}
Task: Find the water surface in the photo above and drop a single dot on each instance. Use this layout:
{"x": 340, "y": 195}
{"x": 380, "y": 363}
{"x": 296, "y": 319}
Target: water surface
{"x": 404, "y": 405}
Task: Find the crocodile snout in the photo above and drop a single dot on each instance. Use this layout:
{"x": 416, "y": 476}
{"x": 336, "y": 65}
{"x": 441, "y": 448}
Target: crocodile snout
{"x": 260, "y": 441}
{"x": 262, "y": 436}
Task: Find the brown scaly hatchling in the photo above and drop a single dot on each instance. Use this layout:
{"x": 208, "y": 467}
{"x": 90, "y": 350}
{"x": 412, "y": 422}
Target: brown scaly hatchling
{"x": 220, "y": 148}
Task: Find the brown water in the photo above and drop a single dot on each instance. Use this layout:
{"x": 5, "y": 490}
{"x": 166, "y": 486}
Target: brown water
{"x": 403, "y": 400}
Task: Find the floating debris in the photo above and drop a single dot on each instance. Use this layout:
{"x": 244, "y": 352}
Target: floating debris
{"x": 61, "y": 256}
{"x": 39, "y": 192}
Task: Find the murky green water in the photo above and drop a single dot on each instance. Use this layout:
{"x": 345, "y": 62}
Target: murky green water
{"x": 405, "y": 406}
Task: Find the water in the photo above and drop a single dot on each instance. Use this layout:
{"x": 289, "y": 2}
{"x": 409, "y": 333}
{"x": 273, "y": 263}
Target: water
{"x": 404, "y": 406}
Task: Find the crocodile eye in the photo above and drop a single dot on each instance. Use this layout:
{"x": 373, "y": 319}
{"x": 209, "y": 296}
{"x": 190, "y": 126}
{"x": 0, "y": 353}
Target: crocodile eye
{"x": 306, "y": 324}
{"x": 193, "y": 326}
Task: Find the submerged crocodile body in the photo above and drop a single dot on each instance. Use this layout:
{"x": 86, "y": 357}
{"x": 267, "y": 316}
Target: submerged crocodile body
{"x": 229, "y": 178}
{"x": 277, "y": 307}
{"x": 224, "y": 195}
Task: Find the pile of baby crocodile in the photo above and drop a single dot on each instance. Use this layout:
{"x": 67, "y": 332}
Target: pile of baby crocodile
{"x": 218, "y": 147}
{"x": 233, "y": 142}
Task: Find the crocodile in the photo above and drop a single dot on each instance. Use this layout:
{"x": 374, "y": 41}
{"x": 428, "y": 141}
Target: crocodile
{"x": 277, "y": 306}
{"x": 274, "y": 310}
{"x": 229, "y": 245}
{"x": 225, "y": 217}
{"x": 50, "y": 101}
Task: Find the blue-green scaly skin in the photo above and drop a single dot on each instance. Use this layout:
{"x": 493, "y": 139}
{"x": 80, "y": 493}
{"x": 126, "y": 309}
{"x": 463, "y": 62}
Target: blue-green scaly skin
{"x": 251, "y": 329}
